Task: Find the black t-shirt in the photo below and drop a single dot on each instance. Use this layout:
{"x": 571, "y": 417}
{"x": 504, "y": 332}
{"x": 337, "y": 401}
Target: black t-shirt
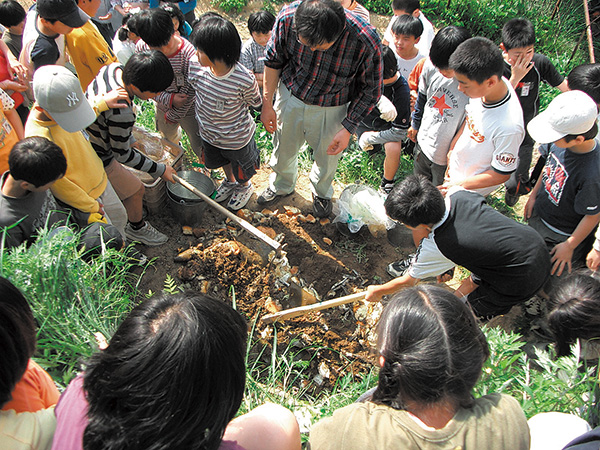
{"x": 509, "y": 256}
{"x": 528, "y": 89}
{"x": 570, "y": 187}
{"x": 45, "y": 50}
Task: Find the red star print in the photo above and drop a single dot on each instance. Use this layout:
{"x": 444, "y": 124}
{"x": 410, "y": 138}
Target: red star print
{"x": 440, "y": 104}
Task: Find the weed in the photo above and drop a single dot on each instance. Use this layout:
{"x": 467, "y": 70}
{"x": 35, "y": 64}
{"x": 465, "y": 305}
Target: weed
{"x": 71, "y": 299}
{"x": 171, "y": 287}
{"x": 356, "y": 248}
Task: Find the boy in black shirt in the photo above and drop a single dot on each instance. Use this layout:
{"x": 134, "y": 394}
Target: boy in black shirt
{"x": 508, "y": 261}
{"x": 525, "y": 70}
{"x": 564, "y": 206}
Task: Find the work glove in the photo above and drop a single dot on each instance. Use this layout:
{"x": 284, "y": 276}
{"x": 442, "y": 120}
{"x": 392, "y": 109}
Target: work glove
{"x": 387, "y": 109}
{"x": 366, "y": 140}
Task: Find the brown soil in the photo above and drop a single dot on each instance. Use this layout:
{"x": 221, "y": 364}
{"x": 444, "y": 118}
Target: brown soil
{"x": 226, "y": 263}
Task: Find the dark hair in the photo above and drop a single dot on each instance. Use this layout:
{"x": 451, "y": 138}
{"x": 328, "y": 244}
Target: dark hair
{"x": 36, "y": 160}
{"x": 174, "y": 11}
{"x": 17, "y": 337}
{"x": 588, "y": 135}
{"x": 415, "y": 201}
{"x": 11, "y": 13}
{"x": 444, "y": 43}
{"x": 261, "y": 22}
{"x": 123, "y": 32}
{"x": 172, "y": 376}
{"x": 408, "y": 6}
{"x": 219, "y": 39}
{"x": 148, "y": 71}
{"x": 407, "y": 25}
{"x": 575, "y": 311}
{"x": 518, "y": 33}
{"x": 155, "y": 27}
{"x": 390, "y": 63}
{"x": 433, "y": 349}
{"x": 586, "y": 78}
{"x": 478, "y": 59}
{"x": 319, "y": 21}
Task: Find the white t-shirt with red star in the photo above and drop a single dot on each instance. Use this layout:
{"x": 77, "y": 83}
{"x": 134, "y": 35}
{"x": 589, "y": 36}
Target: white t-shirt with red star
{"x": 490, "y": 140}
{"x": 443, "y": 113}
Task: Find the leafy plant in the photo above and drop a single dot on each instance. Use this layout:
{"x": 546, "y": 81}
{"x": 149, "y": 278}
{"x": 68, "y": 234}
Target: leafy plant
{"x": 229, "y": 5}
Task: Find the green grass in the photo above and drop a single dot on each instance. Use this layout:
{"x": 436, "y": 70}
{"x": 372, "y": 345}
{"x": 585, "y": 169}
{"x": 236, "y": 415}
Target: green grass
{"x": 71, "y": 299}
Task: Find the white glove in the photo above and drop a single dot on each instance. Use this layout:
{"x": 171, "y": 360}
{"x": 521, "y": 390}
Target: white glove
{"x": 387, "y": 109}
{"x": 364, "y": 141}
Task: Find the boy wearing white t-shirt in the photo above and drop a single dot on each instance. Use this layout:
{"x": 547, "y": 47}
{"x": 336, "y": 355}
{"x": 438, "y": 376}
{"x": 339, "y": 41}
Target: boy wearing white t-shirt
{"x": 411, "y": 8}
{"x": 406, "y": 32}
{"x": 485, "y": 150}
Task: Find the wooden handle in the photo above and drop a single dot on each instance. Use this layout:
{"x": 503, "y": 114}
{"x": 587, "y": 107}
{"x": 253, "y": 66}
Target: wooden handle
{"x": 241, "y": 222}
{"x": 295, "y": 312}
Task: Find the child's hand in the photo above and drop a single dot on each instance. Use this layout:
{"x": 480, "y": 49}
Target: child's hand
{"x": 592, "y": 260}
{"x": 168, "y": 175}
{"x": 520, "y": 68}
{"x": 9, "y": 85}
{"x": 412, "y": 134}
{"x": 117, "y": 98}
{"x": 179, "y": 100}
{"x": 372, "y": 294}
{"x": 528, "y": 210}
{"x": 19, "y": 70}
{"x": 561, "y": 257}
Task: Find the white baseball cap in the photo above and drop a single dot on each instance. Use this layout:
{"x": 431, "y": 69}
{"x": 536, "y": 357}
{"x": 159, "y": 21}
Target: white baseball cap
{"x": 572, "y": 112}
{"x": 58, "y": 92}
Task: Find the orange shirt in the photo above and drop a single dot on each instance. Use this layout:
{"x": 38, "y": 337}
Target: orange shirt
{"x": 34, "y": 391}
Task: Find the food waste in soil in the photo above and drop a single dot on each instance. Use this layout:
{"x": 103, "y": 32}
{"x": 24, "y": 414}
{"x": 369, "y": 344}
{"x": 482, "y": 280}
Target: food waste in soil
{"x": 224, "y": 262}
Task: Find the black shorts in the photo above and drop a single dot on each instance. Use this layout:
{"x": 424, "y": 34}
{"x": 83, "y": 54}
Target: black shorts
{"x": 244, "y": 162}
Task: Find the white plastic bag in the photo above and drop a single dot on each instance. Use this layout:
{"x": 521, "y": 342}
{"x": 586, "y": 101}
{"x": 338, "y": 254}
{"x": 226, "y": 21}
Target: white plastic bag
{"x": 360, "y": 205}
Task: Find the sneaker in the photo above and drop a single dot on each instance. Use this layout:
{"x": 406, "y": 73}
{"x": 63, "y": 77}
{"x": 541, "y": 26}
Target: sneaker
{"x": 269, "y": 195}
{"x": 240, "y": 196}
{"x": 386, "y": 188}
{"x": 322, "y": 206}
{"x": 511, "y": 199}
{"x": 399, "y": 268}
{"x": 147, "y": 235}
{"x": 225, "y": 190}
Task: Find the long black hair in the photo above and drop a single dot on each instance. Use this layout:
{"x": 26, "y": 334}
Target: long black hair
{"x": 433, "y": 349}
{"x": 172, "y": 376}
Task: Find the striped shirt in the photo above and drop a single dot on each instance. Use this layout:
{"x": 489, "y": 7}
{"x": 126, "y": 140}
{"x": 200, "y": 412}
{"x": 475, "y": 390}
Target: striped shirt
{"x": 222, "y": 105}
{"x": 180, "y": 61}
{"x": 110, "y": 134}
{"x": 350, "y": 71}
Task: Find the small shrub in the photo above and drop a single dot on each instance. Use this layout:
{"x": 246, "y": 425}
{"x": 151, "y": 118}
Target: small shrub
{"x": 229, "y": 5}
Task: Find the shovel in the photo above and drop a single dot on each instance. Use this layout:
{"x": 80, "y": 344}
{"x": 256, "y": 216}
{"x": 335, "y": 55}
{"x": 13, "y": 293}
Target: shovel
{"x": 241, "y": 222}
{"x": 298, "y": 295}
{"x": 301, "y": 310}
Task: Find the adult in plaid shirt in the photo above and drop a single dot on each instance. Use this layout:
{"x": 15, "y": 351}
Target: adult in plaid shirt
{"x": 326, "y": 65}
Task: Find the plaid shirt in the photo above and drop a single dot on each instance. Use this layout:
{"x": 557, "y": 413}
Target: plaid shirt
{"x": 349, "y": 71}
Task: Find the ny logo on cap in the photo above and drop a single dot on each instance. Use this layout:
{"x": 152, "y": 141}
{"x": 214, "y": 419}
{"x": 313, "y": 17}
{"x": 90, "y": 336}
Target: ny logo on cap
{"x": 72, "y": 99}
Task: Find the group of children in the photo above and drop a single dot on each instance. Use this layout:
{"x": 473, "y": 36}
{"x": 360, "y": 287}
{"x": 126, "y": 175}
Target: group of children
{"x": 469, "y": 105}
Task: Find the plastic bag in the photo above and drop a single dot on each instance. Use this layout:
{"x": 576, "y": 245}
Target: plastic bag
{"x": 360, "y": 205}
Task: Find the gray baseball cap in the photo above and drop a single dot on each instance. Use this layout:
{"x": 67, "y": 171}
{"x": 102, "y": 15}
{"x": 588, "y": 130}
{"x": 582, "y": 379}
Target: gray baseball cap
{"x": 65, "y": 11}
{"x": 58, "y": 92}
